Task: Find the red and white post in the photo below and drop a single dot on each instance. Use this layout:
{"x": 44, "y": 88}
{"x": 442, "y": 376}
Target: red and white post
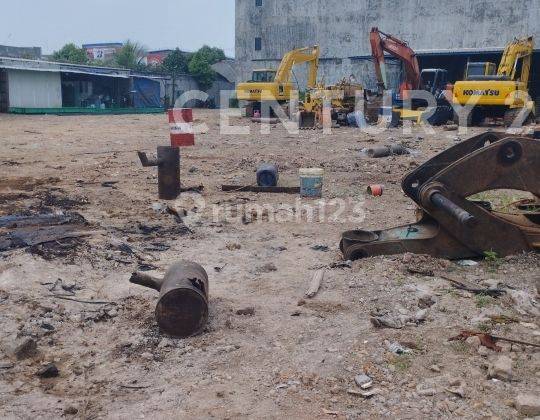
{"x": 181, "y": 126}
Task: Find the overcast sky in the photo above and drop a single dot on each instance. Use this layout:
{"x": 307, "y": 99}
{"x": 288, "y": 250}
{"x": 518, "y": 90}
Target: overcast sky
{"x": 158, "y": 24}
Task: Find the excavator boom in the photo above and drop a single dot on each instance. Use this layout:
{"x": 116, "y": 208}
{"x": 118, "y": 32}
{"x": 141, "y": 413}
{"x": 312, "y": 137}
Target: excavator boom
{"x": 516, "y": 50}
{"x": 302, "y": 55}
{"x": 381, "y": 43}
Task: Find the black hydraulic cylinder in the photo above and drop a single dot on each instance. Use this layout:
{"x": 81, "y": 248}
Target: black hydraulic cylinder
{"x": 443, "y": 203}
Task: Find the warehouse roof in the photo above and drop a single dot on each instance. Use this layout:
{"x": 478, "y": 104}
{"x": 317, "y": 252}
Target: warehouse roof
{"x": 51, "y": 66}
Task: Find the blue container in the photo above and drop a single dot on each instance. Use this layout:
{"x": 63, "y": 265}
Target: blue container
{"x": 311, "y": 182}
{"x": 267, "y": 175}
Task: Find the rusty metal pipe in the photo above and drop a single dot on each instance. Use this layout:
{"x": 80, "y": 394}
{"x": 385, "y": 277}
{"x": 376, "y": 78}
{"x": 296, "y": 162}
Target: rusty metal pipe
{"x": 383, "y": 151}
{"x": 182, "y": 308}
{"x": 443, "y": 203}
{"x": 168, "y": 163}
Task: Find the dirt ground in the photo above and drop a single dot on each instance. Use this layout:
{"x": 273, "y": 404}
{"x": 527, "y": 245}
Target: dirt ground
{"x": 292, "y": 357}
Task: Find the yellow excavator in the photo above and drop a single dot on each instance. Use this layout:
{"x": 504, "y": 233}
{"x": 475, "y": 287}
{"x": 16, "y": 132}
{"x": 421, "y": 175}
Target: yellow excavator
{"x": 503, "y": 94}
{"x": 272, "y": 85}
{"x": 341, "y": 98}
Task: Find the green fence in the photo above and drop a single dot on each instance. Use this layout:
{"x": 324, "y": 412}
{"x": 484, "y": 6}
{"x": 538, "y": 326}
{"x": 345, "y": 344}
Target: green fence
{"x": 85, "y": 111}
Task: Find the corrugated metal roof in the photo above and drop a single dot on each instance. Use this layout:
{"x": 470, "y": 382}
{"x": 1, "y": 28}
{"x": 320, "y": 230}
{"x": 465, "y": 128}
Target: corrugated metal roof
{"x": 50, "y": 66}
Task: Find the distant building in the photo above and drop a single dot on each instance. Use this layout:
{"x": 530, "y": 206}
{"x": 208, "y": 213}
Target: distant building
{"x": 102, "y": 51}
{"x": 443, "y": 34}
{"x": 157, "y": 57}
{"x": 29, "y": 53}
{"x": 40, "y": 87}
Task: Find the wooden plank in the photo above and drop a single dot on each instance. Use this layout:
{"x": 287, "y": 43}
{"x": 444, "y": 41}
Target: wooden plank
{"x": 315, "y": 284}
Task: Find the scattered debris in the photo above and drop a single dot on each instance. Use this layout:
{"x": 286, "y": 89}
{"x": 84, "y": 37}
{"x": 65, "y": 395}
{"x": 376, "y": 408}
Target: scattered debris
{"x": 467, "y": 263}
{"x": 458, "y": 390}
{"x": 524, "y": 303}
{"x": 25, "y": 349}
{"x": 528, "y": 404}
{"x": 257, "y": 189}
{"x": 363, "y": 380}
{"x": 471, "y": 287}
{"x": 397, "y": 348}
{"x": 340, "y": 264}
{"x": 385, "y": 319}
{"x": 267, "y": 268}
{"x": 489, "y": 341}
{"x": 315, "y": 284}
{"x": 365, "y": 394}
{"x": 250, "y": 310}
{"x": 376, "y": 190}
{"x": 219, "y": 269}
{"x": 6, "y": 365}
{"x": 197, "y": 189}
{"x": 485, "y": 339}
{"x": 384, "y": 151}
{"x": 426, "y": 300}
{"x": 109, "y": 184}
{"x": 323, "y": 248}
{"x": 48, "y": 371}
{"x": 26, "y": 231}
{"x": 501, "y": 369}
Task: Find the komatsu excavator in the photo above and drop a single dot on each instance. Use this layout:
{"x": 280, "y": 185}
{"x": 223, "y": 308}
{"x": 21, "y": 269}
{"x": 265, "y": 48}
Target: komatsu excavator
{"x": 271, "y": 85}
{"x": 503, "y": 94}
{"x": 432, "y": 80}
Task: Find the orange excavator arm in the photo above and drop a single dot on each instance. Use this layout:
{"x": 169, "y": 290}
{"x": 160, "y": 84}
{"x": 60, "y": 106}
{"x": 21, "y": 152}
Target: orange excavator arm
{"x": 381, "y": 43}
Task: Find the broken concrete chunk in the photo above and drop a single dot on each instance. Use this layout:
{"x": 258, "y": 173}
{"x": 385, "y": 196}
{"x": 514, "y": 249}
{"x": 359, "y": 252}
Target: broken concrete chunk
{"x": 48, "y": 371}
{"x": 426, "y": 300}
{"x": 528, "y": 404}
{"x": 397, "y": 348}
{"x": 26, "y": 348}
{"x": 501, "y": 369}
{"x": 362, "y": 379}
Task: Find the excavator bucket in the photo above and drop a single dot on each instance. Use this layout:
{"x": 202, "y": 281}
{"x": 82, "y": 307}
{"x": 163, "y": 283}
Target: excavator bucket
{"x": 306, "y": 120}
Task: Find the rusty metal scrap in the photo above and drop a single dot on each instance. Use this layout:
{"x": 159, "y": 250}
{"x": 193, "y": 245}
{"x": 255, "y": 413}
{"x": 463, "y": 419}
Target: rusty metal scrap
{"x": 453, "y": 226}
{"x": 168, "y": 164}
{"x": 488, "y": 340}
{"x": 182, "y": 308}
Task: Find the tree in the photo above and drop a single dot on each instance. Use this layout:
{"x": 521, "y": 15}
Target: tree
{"x": 200, "y": 65}
{"x": 131, "y": 56}
{"x": 70, "y": 53}
{"x": 175, "y": 64}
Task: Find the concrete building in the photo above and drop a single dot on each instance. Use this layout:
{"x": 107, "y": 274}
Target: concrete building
{"x": 30, "y": 53}
{"x": 444, "y": 34}
{"x": 156, "y": 57}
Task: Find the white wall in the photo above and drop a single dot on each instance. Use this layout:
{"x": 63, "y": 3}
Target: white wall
{"x": 34, "y": 89}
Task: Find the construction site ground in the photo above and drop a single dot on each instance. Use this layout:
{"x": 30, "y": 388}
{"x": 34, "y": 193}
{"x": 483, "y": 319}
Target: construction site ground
{"x": 288, "y": 357}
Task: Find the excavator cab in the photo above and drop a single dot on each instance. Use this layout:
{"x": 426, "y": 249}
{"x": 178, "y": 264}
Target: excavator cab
{"x": 263, "y": 76}
{"x": 480, "y": 70}
{"x": 434, "y": 80}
